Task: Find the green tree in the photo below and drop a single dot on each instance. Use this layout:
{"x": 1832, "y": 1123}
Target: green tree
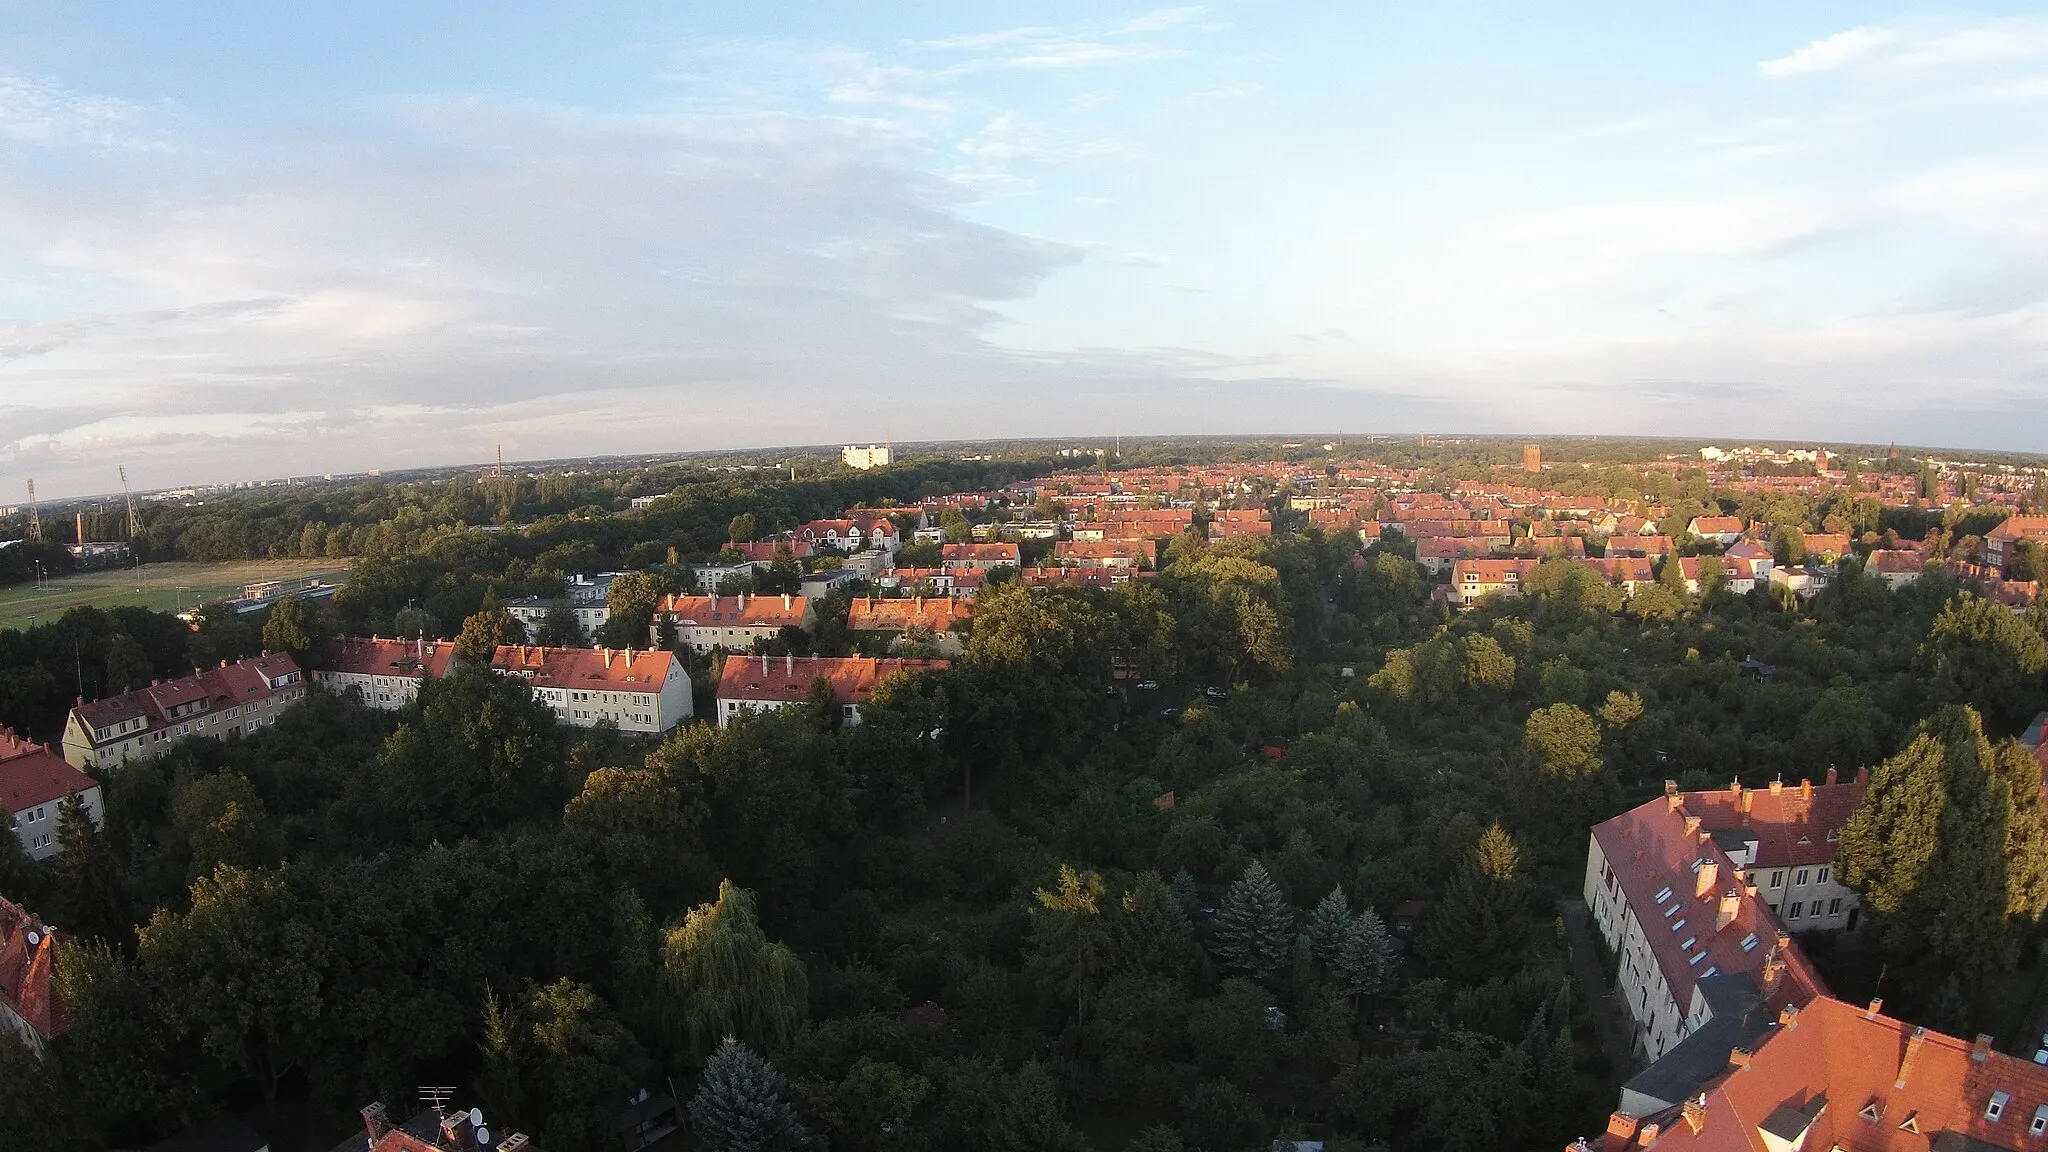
{"x": 224, "y": 821}
{"x": 1362, "y": 958}
{"x": 415, "y": 623}
{"x": 1068, "y": 935}
{"x": 1327, "y": 923}
{"x": 485, "y": 632}
{"x": 742, "y": 1105}
{"x": 128, "y": 666}
{"x": 88, "y": 877}
{"x": 1150, "y": 932}
{"x": 744, "y": 528}
{"x": 1254, "y": 928}
{"x": 1979, "y": 653}
{"x": 1561, "y": 740}
{"x": 242, "y": 971}
{"x": 955, "y": 526}
{"x": 1487, "y": 664}
{"x": 293, "y": 626}
{"x": 1621, "y": 709}
{"x": 559, "y": 628}
{"x": 1497, "y": 855}
{"x": 629, "y": 609}
{"x": 726, "y": 979}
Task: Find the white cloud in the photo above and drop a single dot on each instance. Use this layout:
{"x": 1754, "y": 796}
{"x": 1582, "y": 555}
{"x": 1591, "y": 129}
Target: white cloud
{"x": 1919, "y": 47}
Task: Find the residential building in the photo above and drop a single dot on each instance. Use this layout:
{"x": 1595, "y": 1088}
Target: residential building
{"x": 1106, "y": 553}
{"x": 637, "y": 691}
{"x": 1675, "y": 909}
{"x": 532, "y": 612}
{"x": 1080, "y": 577}
{"x": 384, "y": 674}
{"x": 1472, "y": 579}
{"x": 980, "y": 556}
{"x": 234, "y": 698}
{"x": 768, "y": 683}
{"x": 1785, "y": 837}
{"x": 940, "y": 621}
{"x": 734, "y": 623}
{"x": 1719, "y": 529}
{"x": 1653, "y": 547}
{"x": 1829, "y": 1075}
{"x": 31, "y": 1007}
{"x": 33, "y": 782}
{"x": 1748, "y": 564}
{"x": 865, "y": 458}
{"x": 1897, "y": 567}
{"x": 432, "y": 1130}
{"x": 2001, "y": 544}
{"x": 714, "y": 576}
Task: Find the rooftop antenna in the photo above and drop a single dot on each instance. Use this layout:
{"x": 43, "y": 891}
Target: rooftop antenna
{"x": 134, "y": 521}
{"x": 437, "y": 1098}
{"x": 35, "y": 523}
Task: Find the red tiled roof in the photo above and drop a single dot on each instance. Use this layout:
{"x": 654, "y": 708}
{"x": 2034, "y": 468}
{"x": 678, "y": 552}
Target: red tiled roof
{"x": 378, "y": 656}
{"x": 237, "y": 683}
{"x": 2020, "y": 528}
{"x": 764, "y": 551}
{"x": 1001, "y": 553}
{"x": 30, "y": 774}
{"x": 939, "y": 613}
{"x": 787, "y": 679}
{"x": 598, "y": 669}
{"x": 1716, "y": 524}
{"x": 27, "y": 968}
{"x": 785, "y": 611}
{"x": 1794, "y": 825}
{"x": 1144, "y": 551}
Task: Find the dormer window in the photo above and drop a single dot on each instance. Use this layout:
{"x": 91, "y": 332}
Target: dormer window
{"x": 1911, "y": 1123}
{"x": 1996, "y": 1107}
{"x": 1873, "y": 1111}
{"x": 2040, "y": 1122}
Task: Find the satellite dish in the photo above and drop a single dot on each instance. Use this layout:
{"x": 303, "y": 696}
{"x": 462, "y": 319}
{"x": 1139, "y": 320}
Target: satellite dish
{"x": 483, "y": 1137}
{"x": 476, "y": 1116}
{"x": 34, "y": 938}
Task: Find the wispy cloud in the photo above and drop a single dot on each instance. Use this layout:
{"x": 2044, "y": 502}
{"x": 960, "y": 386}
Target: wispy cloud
{"x": 1917, "y": 48}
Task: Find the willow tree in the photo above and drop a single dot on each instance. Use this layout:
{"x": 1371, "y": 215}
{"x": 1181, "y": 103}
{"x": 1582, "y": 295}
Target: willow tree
{"x": 724, "y": 978}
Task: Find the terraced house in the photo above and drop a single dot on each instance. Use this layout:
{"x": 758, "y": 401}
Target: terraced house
{"x": 636, "y": 691}
{"x": 232, "y": 699}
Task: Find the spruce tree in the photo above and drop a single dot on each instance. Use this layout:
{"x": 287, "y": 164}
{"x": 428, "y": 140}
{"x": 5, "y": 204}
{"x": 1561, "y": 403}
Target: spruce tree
{"x": 1328, "y": 923}
{"x": 87, "y": 876}
{"x": 1254, "y": 930}
{"x": 742, "y": 1105}
{"x": 1186, "y": 894}
{"x": 1363, "y": 959}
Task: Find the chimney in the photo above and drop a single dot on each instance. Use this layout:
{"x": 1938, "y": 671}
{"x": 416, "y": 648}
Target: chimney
{"x": 516, "y": 1142}
{"x": 1788, "y": 1017}
{"x": 1915, "y": 1040}
{"x": 375, "y": 1120}
{"x": 1748, "y": 798}
{"x": 1777, "y": 786}
{"x": 1738, "y": 1057}
{"x": 1806, "y": 790}
{"x": 1833, "y": 775}
{"x": 1863, "y": 775}
{"x": 764, "y": 663}
{"x": 607, "y": 658}
{"x": 789, "y": 665}
{"x": 1648, "y": 1136}
{"x": 1696, "y": 1113}
{"x": 1672, "y": 800}
{"x": 1981, "y": 1050}
{"x": 1871, "y": 1012}
{"x": 1692, "y": 826}
{"x": 786, "y": 605}
{"x": 1735, "y": 790}
{"x": 714, "y": 601}
{"x": 1622, "y": 1126}
{"x": 1773, "y": 969}
{"x": 1730, "y": 907}
{"x": 1707, "y": 877}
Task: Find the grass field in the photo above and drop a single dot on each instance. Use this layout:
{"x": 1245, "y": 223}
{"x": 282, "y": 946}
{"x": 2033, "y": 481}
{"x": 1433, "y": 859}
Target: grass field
{"x": 165, "y": 587}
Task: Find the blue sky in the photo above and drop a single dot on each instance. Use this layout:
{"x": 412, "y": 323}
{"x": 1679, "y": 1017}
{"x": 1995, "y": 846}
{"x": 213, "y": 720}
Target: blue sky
{"x": 245, "y": 240}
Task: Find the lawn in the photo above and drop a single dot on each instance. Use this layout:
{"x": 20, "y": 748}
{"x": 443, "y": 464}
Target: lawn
{"x": 164, "y": 587}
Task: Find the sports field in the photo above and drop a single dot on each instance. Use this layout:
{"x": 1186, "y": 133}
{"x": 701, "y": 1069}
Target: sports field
{"x": 165, "y": 587}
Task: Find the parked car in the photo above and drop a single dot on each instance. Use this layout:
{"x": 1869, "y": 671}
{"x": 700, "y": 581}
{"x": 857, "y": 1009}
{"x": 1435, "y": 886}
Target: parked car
{"x": 1147, "y": 685}
{"x": 1216, "y": 693}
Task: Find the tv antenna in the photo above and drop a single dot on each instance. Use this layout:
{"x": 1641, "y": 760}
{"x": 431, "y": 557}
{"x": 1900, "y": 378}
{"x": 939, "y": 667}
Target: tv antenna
{"x": 35, "y": 523}
{"x": 127, "y": 494}
{"x": 437, "y": 1098}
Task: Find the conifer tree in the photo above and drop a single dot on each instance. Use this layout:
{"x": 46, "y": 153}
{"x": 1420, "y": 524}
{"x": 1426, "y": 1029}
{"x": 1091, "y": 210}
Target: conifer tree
{"x": 1328, "y": 923}
{"x": 1363, "y": 958}
{"x": 742, "y": 1105}
{"x": 1254, "y": 930}
{"x": 1185, "y": 893}
{"x": 87, "y": 876}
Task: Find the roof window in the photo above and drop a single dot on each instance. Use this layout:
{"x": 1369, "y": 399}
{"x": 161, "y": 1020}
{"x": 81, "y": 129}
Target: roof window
{"x": 1749, "y": 942}
{"x": 1662, "y": 895}
{"x": 1873, "y": 1111}
{"x": 2040, "y": 1123}
{"x": 1671, "y": 911}
{"x": 1696, "y": 958}
{"x": 1996, "y": 1108}
{"x": 1711, "y": 969}
{"x": 1677, "y": 924}
{"x": 1689, "y": 942}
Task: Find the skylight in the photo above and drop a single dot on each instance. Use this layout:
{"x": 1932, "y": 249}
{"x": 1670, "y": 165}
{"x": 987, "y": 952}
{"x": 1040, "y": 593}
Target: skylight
{"x": 1677, "y": 924}
{"x": 1690, "y": 941}
{"x": 1749, "y": 942}
{"x": 1697, "y": 957}
{"x": 1662, "y": 895}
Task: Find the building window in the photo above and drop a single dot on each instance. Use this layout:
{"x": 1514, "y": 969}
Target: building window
{"x": 1996, "y": 1108}
{"x": 1778, "y": 878}
{"x": 1835, "y": 906}
{"x": 1800, "y": 880}
{"x": 1825, "y": 872}
{"x": 1792, "y": 910}
{"x": 2040, "y": 1123}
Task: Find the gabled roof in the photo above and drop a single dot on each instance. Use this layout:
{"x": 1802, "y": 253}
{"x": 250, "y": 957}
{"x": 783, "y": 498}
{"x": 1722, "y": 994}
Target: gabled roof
{"x": 380, "y": 656}
{"x": 788, "y": 679}
{"x": 229, "y": 684}
{"x": 939, "y": 613}
{"x": 30, "y": 774}
{"x": 1792, "y": 824}
{"x": 586, "y": 669}
{"x": 783, "y": 611}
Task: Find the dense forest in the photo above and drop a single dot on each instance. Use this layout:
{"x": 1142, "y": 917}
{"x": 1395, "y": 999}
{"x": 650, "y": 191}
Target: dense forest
{"x": 1022, "y": 905}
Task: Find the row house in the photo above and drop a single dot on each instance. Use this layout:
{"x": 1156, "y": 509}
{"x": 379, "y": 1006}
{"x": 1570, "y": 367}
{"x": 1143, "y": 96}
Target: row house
{"x": 1676, "y": 909}
{"x": 2001, "y": 544}
{"x": 765, "y": 552}
{"x": 1785, "y": 837}
{"x": 852, "y": 534}
{"x": 941, "y": 621}
{"x": 769, "y": 683}
{"x": 1652, "y": 547}
{"x": 959, "y": 582}
{"x": 1106, "y": 553}
{"x": 1079, "y": 577}
{"x": 33, "y": 782}
{"x": 31, "y": 1005}
{"x": 979, "y": 556}
{"x": 437, "y": 1129}
{"x": 734, "y": 623}
{"x": 383, "y": 673}
{"x": 1231, "y": 529}
{"x": 1827, "y": 546}
{"x": 645, "y": 692}
{"x": 234, "y": 698}
{"x": 1830, "y": 1075}
{"x": 1437, "y": 554}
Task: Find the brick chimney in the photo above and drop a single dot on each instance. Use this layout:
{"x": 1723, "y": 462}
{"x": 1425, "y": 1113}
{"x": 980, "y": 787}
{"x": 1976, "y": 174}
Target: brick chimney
{"x": 1833, "y": 775}
{"x": 1863, "y": 775}
{"x": 1788, "y": 1017}
{"x": 1871, "y": 1012}
{"x": 1806, "y": 790}
{"x": 1738, "y": 1057}
{"x": 1622, "y": 1126}
{"x": 1729, "y": 908}
{"x": 1777, "y": 786}
{"x": 1705, "y": 880}
{"x": 1648, "y": 1136}
{"x": 1981, "y": 1050}
{"x": 1696, "y": 1113}
{"x": 1692, "y": 826}
{"x": 1735, "y": 791}
{"x": 1748, "y": 798}
{"x": 375, "y": 1120}
{"x": 1915, "y": 1040}
{"x": 1672, "y": 799}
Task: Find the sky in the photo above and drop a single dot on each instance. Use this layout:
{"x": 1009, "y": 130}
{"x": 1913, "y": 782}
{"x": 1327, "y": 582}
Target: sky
{"x": 242, "y": 240}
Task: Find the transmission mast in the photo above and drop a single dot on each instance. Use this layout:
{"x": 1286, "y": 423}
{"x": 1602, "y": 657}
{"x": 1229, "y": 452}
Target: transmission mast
{"x": 134, "y": 521}
{"x": 35, "y": 523}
